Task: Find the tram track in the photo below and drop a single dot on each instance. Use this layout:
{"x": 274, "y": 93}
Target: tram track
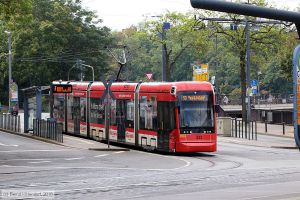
{"x": 214, "y": 162}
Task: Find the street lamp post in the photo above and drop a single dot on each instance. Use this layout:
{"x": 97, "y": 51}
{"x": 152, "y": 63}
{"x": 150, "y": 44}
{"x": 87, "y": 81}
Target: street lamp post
{"x": 258, "y": 88}
{"x": 166, "y": 25}
{"x": 9, "y": 68}
{"x": 91, "y": 68}
{"x": 79, "y": 63}
{"x": 248, "y": 70}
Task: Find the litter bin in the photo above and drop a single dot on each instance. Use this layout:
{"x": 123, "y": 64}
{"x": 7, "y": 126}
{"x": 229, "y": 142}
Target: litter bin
{"x": 224, "y": 126}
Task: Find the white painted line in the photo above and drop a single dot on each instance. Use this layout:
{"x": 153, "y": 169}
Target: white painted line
{"x": 80, "y": 140}
{"x": 102, "y": 155}
{"x": 119, "y": 152}
{"x": 25, "y": 159}
{"x": 38, "y": 162}
{"x": 74, "y": 158}
{"x": 33, "y": 150}
{"x": 187, "y": 163}
{"x": 109, "y": 168}
{"x": 9, "y": 145}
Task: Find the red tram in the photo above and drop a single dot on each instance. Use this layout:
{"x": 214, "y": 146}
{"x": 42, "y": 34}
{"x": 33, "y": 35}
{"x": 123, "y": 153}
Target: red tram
{"x": 170, "y": 116}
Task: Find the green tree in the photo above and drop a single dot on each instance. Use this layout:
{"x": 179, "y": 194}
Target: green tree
{"x": 54, "y": 34}
{"x": 262, "y": 40}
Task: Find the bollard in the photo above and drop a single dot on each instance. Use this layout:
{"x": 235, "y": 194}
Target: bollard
{"x": 246, "y": 129}
{"x": 232, "y": 128}
{"x": 239, "y": 128}
{"x": 235, "y": 127}
{"x": 1, "y": 120}
{"x": 266, "y": 127}
{"x": 242, "y": 128}
{"x": 283, "y": 126}
{"x": 252, "y": 130}
{"x": 19, "y": 123}
{"x": 255, "y": 130}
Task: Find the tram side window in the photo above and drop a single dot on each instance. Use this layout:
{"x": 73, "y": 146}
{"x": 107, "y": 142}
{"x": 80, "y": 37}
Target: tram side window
{"x": 166, "y": 115}
{"x": 154, "y": 113}
{"x": 148, "y": 113}
{"x": 130, "y": 114}
{"x": 97, "y": 114}
{"x": 58, "y": 107}
{"x": 83, "y": 109}
{"x": 113, "y": 109}
{"x": 143, "y": 106}
{"x": 70, "y": 107}
{"x": 76, "y": 108}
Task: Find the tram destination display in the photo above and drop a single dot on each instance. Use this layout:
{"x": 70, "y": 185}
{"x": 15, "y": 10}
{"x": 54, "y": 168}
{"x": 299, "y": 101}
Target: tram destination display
{"x": 62, "y": 88}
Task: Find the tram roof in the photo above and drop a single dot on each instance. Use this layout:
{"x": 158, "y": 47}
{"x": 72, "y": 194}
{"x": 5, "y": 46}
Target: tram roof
{"x": 180, "y": 86}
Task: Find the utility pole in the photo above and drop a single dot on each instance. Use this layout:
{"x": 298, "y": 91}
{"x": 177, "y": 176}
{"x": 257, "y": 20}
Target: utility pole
{"x": 248, "y": 71}
{"x": 9, "y": 69}
{"x": 166, "y": 25}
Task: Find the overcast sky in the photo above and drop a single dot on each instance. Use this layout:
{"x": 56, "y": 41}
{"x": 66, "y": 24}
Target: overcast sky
{"x": 120, "y": 14}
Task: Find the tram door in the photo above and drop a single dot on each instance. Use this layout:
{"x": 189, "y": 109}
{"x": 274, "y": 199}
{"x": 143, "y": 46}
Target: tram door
{"x": 76, "y": 115}
{"x": 166, "y": 123}
{"x": 120, "y": 119}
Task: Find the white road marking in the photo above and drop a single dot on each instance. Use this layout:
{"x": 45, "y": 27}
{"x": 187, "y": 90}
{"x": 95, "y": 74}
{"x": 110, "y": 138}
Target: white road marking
{"x": 24, "y": 159}
{"x": 119, "y": 152}
{"x": 111, "y": 168}
{"x": 102, "y": 155}
{"x": 80, "y": 140}
{"x": 188, "y": 163}
{"x": 38, "y": 162}
{"x": 33, "y": 150}
{"x": 74, "y": 158}
{"x": 9, "y": 145}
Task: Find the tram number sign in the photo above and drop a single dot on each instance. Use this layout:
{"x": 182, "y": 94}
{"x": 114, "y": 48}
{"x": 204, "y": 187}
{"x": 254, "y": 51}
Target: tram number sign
{"x": 62, "y": 88}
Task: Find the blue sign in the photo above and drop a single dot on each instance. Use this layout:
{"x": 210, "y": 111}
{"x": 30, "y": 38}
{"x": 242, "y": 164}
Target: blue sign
{"x": 254, "y": 82}
{"x": 166, "y": 25}
{"x": 254, "y": 91}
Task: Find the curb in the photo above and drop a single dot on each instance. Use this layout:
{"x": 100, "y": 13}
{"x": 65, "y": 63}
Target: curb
{"x": 61, "y": 144}
{"x": 32, "y": 137}
{"x": 258, "y": 145}
{"x": 107, "y": 149}
{"x": 274, "y": 135}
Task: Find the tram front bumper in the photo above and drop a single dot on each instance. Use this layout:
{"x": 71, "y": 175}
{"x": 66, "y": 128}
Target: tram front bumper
{"x": 196, "y": 147}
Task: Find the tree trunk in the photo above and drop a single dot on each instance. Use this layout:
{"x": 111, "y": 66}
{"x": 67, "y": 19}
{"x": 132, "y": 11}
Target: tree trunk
{"x": 168, "y": 66}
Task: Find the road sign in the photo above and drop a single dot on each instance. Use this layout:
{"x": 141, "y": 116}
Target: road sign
{"x": 200, "y": 72}
{"x": 149, "y": 76}
{"x": 254, "y": 82}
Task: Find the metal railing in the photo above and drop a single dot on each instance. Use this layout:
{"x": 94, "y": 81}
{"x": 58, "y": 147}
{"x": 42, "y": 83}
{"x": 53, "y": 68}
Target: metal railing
{"x": 241, "y": 129}
{"x": 10, "y": 122}
{"x": 263, "y": 99}
{"x": 48, "y": 129}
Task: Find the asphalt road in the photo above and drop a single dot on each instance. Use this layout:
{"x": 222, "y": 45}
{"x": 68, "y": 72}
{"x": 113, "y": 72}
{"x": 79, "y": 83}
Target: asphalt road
{"x": 234, "y": 172}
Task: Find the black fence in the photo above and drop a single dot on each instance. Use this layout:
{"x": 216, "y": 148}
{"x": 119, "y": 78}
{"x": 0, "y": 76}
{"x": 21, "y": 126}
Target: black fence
{"x": 10, "y": 122}
{"x": 48, "y": 129}
{"x": 241, "y": 129}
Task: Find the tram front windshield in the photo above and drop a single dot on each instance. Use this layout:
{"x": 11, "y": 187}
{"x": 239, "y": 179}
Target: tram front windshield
{"x": 196, "y": 112}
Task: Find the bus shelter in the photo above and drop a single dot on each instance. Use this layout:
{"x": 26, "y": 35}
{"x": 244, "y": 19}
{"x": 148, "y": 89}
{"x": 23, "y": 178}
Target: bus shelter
{"x": 33, "y": 104}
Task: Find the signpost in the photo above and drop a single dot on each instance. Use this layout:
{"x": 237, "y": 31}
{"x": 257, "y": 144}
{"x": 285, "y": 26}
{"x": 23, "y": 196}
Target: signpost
{"x": 254, "y": 84}
{"x": 296, "y": 81}
{"x": 14, "y": 98}
{"x": 200, "y": 72}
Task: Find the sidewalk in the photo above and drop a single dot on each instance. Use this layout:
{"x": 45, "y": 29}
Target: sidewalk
{"x": 81, "y": 143}
{"x": 273, "y": 138}
{"x": 268, "y": 141}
